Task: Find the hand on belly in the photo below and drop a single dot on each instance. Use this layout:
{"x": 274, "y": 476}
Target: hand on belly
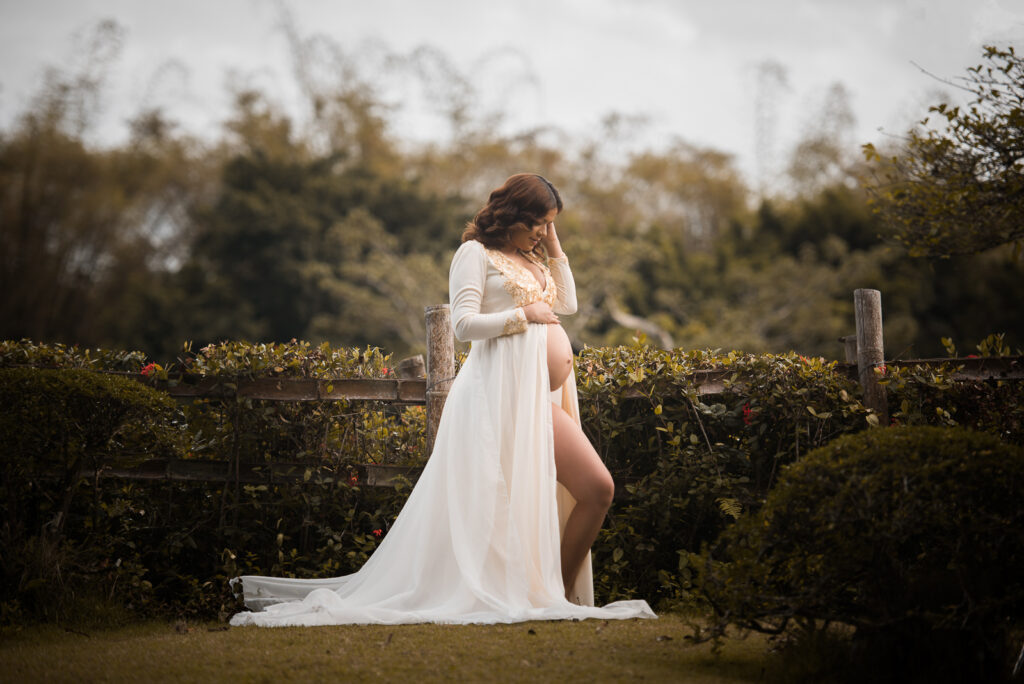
{"x": 559, "y": 355}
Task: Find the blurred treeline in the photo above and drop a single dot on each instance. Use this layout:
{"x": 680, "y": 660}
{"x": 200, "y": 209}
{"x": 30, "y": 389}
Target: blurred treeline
{"x": 332, "y": 224}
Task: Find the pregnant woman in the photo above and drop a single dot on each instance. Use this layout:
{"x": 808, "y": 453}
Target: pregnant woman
{"x": 500, "y": 523}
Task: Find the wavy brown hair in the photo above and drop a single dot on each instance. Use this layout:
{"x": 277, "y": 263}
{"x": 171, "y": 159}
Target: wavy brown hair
{"x": 523, "y": 201}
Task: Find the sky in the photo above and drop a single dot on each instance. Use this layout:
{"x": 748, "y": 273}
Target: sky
{"x": 748, "y": 77}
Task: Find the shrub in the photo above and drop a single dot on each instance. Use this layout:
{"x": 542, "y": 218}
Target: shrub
{"x": 55, "y": 426}
{"x": 169, "y": 546}
{"x": 913, "y": 536}
{"x": 329, "y": 433}
{"x": 40, "y": 355}
{"x": 928, "y": 395}
{"x": 686, "y": 464}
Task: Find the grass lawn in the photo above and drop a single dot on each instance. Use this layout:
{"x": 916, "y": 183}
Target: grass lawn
{"x": 591, "y": 650}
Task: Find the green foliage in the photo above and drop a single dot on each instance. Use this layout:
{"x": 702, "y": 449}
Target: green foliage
{"x": 166, "y": 545}
{"x": 995, "y": 345}
{"x": 959, "y": 188}
{"x": 86, "y": 231}
{"x": 927, "y": 395}
{"x": 686, "y": 464}
{"x": 28, "y": 353}
{"x": 57, "y": 426}
{"x": 689, "y": 463}
{"x": 782, "y": 278}
{"x": 332, "y": 434}
{"x": 298, "y": 243}
{"x": 292, "y": 359}
{"x": 335, "y": 227}
{"x": 914, "y": 536}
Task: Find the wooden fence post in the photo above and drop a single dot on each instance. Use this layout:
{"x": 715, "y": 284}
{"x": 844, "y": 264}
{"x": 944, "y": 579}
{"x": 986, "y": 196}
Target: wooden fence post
{"x": 867, "y": 305}
{"x": 440, "y": 365}
{"x": 849, "y": 347}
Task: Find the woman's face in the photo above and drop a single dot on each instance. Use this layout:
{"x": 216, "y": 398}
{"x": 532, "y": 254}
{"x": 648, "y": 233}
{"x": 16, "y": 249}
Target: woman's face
{"x": 527, "y": 239}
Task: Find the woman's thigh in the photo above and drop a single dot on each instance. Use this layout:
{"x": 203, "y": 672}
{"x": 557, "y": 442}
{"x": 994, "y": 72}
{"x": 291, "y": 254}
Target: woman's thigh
{"x": 580, "y": 469}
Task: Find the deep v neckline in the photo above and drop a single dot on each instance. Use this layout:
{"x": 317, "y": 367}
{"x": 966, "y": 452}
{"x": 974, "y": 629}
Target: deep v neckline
{"x": 521, "y": 282}
{"x": 543, "y": 285}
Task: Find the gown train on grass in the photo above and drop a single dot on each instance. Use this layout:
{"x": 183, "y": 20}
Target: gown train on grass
{"x": 478, "y": 539}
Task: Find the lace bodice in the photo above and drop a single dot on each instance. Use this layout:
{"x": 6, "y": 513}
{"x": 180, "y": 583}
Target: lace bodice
{"x": 488, "y": 290}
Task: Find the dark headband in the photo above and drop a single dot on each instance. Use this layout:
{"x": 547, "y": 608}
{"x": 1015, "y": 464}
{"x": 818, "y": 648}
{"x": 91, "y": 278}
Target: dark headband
{"x": 551, "y": 188}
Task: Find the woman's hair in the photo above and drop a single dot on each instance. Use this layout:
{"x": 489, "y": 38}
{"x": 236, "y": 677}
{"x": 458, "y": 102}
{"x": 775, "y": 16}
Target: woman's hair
{"x": 524, "y": 201}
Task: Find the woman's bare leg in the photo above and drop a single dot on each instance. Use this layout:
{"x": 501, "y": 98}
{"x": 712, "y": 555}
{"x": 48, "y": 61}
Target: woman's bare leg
{"x": 581, "y": 471}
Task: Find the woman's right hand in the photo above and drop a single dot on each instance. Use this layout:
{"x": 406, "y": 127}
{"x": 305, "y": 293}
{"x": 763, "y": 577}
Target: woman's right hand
{"x": 539, "y": 312}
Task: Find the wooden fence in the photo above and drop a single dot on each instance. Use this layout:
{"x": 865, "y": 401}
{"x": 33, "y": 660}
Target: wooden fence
{"x": 864, "y": 353}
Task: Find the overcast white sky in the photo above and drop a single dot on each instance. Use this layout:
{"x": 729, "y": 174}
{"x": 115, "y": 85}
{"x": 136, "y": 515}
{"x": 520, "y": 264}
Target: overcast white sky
{"x": 690, "y": 66}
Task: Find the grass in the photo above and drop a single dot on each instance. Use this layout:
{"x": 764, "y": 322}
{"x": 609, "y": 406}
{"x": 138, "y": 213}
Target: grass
{"x": 591, "y": 650}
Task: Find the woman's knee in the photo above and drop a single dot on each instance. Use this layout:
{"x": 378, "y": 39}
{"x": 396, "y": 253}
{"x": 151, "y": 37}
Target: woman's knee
{"x": 607, "y": 489}
{"x": 601, "y": 490}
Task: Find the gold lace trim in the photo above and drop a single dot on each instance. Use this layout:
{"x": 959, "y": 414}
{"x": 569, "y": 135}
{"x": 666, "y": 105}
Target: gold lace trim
{"x": 515, "y": 324}
{"x": 520, "y": 283}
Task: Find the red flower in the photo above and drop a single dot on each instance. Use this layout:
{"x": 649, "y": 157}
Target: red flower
{"x": 353, "y": 479}
{"x": 747, "y": 413}
{"x": 882, "y": 369}
{"x": 148, "y": 369}
{"x": 386, "y": 371}
{"x": 378, "y": 532}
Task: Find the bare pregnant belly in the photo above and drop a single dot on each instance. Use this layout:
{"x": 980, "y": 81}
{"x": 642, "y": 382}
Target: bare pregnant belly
{"x": 559, "y": 356}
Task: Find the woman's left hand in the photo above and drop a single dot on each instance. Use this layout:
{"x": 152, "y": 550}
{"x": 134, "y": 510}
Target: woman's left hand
{"x": 551, "y": 243}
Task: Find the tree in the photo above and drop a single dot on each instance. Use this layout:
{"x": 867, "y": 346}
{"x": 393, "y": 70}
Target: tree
{"x": 299, "y": 243}
{"x": 821, "y": 157}
{"x": 959, "y": 189}
{"x": 86, "y": 233}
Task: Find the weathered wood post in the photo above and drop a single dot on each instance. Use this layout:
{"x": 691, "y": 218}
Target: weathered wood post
{"x": 411, "y": 367}
{"x": 867, "y": 305}
{"x": 440, "y": 365}
{"x": 849, "y": 347}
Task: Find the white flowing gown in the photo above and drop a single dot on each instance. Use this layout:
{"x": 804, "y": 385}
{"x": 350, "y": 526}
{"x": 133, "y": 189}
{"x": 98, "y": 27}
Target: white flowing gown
{"x": 478, "y": 540}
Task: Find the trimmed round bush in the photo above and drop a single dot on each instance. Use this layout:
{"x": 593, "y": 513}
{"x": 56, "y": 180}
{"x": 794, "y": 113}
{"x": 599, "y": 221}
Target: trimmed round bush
{"x": 912, "y": 536}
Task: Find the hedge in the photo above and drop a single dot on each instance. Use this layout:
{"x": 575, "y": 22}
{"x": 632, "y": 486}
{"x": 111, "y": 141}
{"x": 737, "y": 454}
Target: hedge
{"x": 913, "y": 536}
{"x": 687, "y": 465}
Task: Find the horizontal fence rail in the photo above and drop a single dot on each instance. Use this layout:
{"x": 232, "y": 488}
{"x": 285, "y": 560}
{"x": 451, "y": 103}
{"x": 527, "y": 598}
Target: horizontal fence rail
{"x": 401, "y": 391}
{"x": 205, "y": 470}
{"x": 968, "y": 368}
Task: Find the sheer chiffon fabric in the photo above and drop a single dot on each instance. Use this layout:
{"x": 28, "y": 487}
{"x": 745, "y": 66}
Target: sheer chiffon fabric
{"x": 478, "y": 539}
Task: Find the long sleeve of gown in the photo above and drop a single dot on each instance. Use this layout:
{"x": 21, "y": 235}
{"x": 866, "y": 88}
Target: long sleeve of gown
{"x": 565, "y": 285}
{"x": 466, "y": 280}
